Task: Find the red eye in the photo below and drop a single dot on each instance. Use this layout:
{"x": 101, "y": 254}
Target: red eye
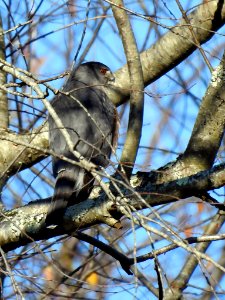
{"x": 103, "y": 70}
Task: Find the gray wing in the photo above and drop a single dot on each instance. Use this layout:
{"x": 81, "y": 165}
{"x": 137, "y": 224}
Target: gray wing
{"x": 91, "y": 134}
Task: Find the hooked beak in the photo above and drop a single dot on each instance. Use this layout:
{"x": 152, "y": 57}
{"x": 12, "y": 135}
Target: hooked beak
{"x": 109, "y": 76}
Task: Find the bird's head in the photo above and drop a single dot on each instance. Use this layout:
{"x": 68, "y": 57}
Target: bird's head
{"x": 93, "y": 73}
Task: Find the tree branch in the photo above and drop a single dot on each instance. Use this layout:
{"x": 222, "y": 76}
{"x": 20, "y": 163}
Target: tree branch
{"x": 15, "y": 155}
{"x": 123, "y": 260}
{"x": 210, "y": 123}
{"x": 181, "y": 281}
{"x": 23, "y": 225}
{"x": 4, "y": 114}
{"x": 174, "y": 47}
{"x": 159, "y": 59}
{"x": 207, "y": 133}
{"x": 135, "y": 122}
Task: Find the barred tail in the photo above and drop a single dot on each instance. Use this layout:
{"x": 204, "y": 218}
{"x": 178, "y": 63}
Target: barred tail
{"x": 72, "y": 186}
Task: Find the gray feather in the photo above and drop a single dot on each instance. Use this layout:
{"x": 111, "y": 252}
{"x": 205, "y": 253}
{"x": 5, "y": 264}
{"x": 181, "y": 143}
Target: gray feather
{"x": 91, "y": 133}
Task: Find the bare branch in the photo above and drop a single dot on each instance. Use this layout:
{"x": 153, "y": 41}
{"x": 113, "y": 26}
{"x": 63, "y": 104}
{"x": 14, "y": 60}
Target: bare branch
{"x": 174, "y": 47}
{"x": 17, "y": 151}
{"x": 25, "y": 224}
{"x": 207, "y": 133}
{"x": 210, "y": 123}
{"x": 181, "y": 281}
{"x": 123, "y": 260}
{"x": 4, "y": 114}
{"x": 206, "y": 18}
{"x": 194, "y": 35}
{"x": 136, "y": 89}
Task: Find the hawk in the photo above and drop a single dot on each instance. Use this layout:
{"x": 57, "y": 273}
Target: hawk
{"x": 90, "y": 118}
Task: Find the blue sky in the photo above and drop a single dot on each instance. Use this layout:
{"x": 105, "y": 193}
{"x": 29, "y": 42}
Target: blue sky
{"x": 167, "y": 95}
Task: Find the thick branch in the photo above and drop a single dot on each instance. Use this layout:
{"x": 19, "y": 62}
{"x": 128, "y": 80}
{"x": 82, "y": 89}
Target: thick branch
{"x": 15, "y": 156}
{"x": 201, "y": 151}
{"x": 210, "y": 123}
{"x": 174, "y": 47}
{"x": 162, "y": 57}
{"x": 207, "y": 133}
{"x": 25, "y": 224}
{"x": 194, "y": 185}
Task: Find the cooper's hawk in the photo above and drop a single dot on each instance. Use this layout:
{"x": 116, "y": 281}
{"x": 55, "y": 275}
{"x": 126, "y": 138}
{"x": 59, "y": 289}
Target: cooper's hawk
{"x": 90, "y": 118}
